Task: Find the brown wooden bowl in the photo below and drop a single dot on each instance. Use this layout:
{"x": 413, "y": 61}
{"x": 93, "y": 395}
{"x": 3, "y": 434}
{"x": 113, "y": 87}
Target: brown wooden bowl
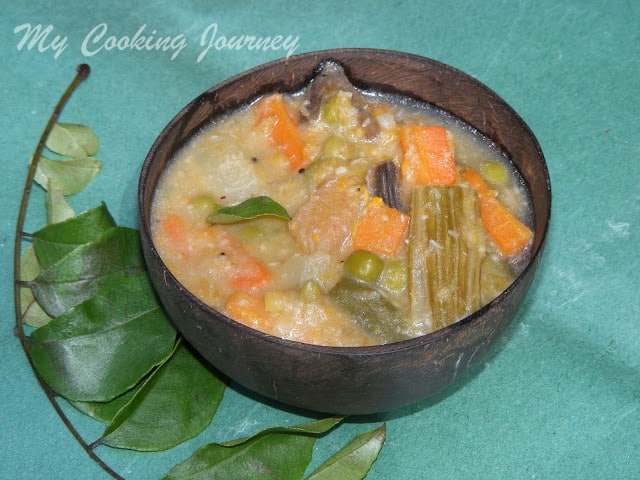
{"x": 349, "y": 380}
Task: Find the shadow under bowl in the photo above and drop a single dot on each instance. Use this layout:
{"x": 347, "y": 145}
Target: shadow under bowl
{"x": 349, "y": 380}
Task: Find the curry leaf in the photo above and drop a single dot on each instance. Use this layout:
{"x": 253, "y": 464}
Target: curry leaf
{"x": 183, "y": 393}
{"x": 32, "y": 314}
{"x": 104, "y": 346}
{"x": 35, "y": 316}
{"x": 71, "y": 175}
{"x": 278, "y": 452}
{"x": 78, "y": 275}
{"x": 105, "y": 412}
{"x": 55, "y": 241}
{"x": 58, "y": 209}
{"x": 354, "y": 460}
{"x": 29, "y": 269}
{"x": 251, "y": 208}
{"x": 72, "y": 140}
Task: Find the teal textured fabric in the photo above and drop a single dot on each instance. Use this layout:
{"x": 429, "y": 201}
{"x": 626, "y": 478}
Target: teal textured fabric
{"x": 560, "y": 395}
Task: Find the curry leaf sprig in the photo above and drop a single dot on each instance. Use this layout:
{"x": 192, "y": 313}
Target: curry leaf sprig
{"x": 100, "y": 339}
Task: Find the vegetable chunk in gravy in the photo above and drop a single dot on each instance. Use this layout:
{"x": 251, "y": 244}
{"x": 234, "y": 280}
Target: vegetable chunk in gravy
{"x": 342, "y": 217}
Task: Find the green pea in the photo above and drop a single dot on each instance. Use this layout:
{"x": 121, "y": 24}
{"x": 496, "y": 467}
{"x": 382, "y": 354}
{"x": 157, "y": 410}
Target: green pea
{"x": 310, "y": 291}
{"x": 337, "y": 111}
{"x": 204, "y": 204}
{"x": 364, "y": 265}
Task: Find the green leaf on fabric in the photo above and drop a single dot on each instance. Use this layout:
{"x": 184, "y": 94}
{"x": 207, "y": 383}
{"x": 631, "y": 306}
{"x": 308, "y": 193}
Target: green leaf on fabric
{"x": 176, "y": 403}
{"x": 106, "y": 345}
{"x": 354, "y": 460}
{"x": 72, "y": 140}
{"x": 105, "y": 412}
{"x": 32, "y": 314}
{"x": 251, "y": 208}
{"x": 58, "y": 209}
{"x": 29, "y": 269}
{"x": 72, "y": 176}
{"x": 278, "y": 452}
{"x": 55, "y": 241}
{"x": 79, "y": 275}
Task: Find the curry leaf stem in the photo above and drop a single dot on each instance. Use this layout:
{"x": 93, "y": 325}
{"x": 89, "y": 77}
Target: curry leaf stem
{"x": 82, "y": 72}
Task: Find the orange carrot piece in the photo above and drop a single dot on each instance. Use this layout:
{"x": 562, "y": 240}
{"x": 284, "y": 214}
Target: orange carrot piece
{"x": 475, "y": 181}
{"x": 428, "y": 155}
{"x": 248, "y": 274}
{"x": 382, "y": 230}
{"x": 248, "y": 309}
{"x": 173, "y": 229}
{"x": 283, "y": 131}
{"x": 510, "y": 235}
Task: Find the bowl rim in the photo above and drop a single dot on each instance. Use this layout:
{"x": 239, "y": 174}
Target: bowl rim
{"x": 371, "y": 350}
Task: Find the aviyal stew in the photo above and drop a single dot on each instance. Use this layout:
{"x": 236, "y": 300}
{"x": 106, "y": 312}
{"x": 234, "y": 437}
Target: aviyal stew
{"x": 342, "y": 217}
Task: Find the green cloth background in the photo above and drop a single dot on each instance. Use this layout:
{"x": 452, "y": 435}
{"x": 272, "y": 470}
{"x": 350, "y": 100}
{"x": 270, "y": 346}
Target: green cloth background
{"x": 558, "y": 398}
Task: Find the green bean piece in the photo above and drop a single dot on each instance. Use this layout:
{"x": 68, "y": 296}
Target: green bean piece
{"x": 394, "y": 276}
{"x": 370, "y": 310}
{"x": 447, "y": 245}
{"x": 364, "y": 265}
